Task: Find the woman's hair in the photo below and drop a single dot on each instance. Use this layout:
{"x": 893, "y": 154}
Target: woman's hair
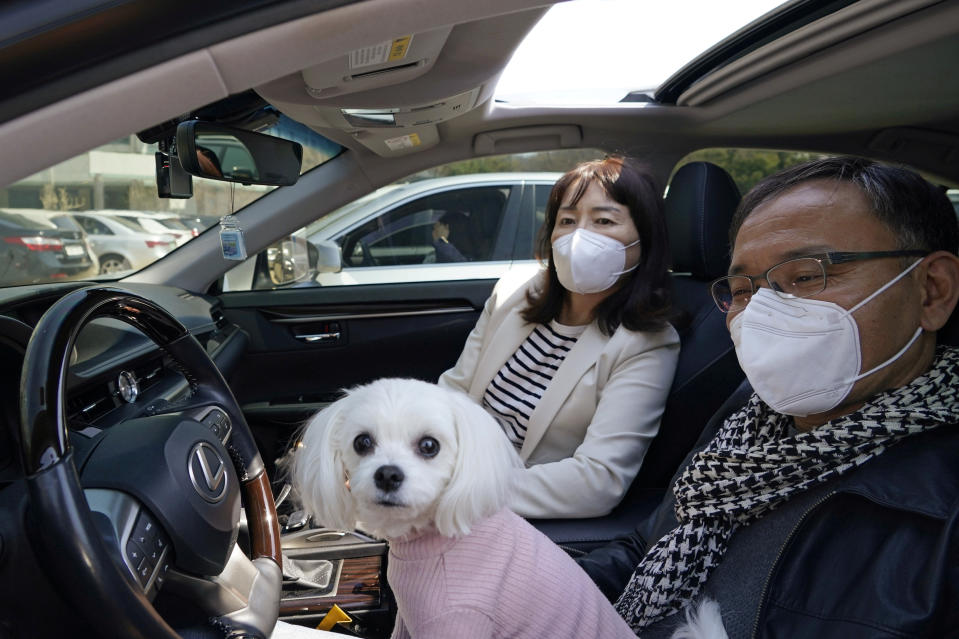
{"x": 642, "y": 300}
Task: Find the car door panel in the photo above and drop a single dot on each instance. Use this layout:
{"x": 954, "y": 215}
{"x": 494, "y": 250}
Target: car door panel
{"x": 307, "y": 344}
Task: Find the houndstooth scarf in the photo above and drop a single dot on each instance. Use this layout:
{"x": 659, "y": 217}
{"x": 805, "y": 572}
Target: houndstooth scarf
{"x": 753, "y": 465}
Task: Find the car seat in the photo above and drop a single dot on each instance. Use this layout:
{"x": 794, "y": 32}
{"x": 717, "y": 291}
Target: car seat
{"x": 486, "y": 211}
{"x": 699, "y": 204}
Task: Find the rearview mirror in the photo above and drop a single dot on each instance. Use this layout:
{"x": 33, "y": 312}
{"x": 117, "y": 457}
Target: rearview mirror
{"x": 219, "y": 152}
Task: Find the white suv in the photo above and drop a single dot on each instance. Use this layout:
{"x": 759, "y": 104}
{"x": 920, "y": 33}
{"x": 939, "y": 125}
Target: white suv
{"x": 490, "y": 222}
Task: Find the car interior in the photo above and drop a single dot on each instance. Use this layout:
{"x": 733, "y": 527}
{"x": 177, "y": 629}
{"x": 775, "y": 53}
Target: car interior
{"x": 113, "y": 381}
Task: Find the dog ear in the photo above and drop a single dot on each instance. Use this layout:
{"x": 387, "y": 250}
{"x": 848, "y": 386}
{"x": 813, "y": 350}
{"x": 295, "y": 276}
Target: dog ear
{"x": 319, "y": 474}
{"x": 486, "y": 465}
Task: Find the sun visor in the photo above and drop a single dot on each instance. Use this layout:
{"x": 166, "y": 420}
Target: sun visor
{"x": 391, "y": 143}
{"x": 385, "y": 63}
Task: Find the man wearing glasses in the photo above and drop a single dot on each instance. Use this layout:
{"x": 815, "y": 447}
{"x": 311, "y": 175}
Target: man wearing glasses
{"x": 825, "y": 501}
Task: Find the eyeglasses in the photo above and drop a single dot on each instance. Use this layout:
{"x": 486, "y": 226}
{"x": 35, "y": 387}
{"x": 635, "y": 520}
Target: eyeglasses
{"x": 798, "y": 277}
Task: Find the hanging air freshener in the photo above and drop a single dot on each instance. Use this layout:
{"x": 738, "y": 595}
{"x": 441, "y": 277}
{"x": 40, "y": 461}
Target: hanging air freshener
{"x": 231, "y": 238}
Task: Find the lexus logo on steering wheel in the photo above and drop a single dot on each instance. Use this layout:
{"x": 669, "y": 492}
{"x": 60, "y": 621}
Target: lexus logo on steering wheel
{"x": 207, "y": 472}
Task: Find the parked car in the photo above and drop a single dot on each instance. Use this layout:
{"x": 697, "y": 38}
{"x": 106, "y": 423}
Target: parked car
{"x": 122, "y": 244}
{"x": 155, "y": 223}
{"x": 120, "y": 491}
{"x": 166, "y": 223}
{"x": 386, "y": 236}
{"x": 42, "y": 246}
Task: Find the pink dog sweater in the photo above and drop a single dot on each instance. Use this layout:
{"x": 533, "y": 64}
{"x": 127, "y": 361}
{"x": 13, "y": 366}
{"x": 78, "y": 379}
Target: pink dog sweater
{"x": 504, "y": 579}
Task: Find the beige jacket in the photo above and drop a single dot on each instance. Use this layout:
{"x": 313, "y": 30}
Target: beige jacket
{"x": 587, "y": 437}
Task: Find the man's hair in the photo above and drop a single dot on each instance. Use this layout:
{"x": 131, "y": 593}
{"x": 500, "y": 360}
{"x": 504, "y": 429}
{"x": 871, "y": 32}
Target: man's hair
{"x": 917, "y": 212}
{"x": 456, "y": 221}
{"x": 642, "y": 302}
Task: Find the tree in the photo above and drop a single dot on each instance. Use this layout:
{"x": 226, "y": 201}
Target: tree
{"x": 59, "y": 198}
{"x": 749, "y": 166}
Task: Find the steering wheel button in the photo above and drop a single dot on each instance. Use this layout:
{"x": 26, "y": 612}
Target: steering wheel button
{"x": 134, "y": 554}
{"x": 144, "y": 531}
{"x": 144, "y": 570}
{"x": 217, "y": 422}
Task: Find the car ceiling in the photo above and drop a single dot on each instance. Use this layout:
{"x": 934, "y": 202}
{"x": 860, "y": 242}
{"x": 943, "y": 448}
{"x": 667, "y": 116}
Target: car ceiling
{"x": 54, "y": 49}
{"x": 875, "y": 78}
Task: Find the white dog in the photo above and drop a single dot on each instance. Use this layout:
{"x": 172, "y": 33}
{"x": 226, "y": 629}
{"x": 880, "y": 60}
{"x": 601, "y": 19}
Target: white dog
{"x": 429, "y": 470}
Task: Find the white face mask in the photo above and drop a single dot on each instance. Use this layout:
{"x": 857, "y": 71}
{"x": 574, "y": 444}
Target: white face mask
{"x": 802, "y": 356}
{"x": 588, "y": 262}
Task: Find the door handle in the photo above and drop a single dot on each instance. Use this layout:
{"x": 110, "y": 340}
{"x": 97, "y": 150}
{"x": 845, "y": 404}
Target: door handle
{"x": 312, "y": 338}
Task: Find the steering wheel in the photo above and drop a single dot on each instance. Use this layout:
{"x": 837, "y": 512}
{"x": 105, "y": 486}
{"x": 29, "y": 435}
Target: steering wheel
{"x": 156, "y": 503}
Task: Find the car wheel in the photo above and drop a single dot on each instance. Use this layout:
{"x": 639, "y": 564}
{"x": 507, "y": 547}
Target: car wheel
{"x": 114, "y": 264}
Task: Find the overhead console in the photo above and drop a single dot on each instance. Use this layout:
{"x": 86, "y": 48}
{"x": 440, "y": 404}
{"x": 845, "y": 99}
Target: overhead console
{"x": 394, "y": 131}
{"x": 410, "y": 116}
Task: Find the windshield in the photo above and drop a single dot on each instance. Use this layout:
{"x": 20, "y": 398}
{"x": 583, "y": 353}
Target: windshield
{"x": 598, "y": 51}
{"x": 98, "y": 215}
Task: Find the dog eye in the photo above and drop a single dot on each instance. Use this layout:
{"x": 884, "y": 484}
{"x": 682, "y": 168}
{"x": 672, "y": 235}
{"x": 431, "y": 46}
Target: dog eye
{"x": 363, "y": 444}
{"x": 429, "y": 447}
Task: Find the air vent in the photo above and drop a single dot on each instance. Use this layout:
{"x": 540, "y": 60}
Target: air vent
{"x": 91, "y": 404}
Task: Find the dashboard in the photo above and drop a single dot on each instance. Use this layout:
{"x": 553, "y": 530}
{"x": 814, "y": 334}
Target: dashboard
{"x": 117, "y": 373}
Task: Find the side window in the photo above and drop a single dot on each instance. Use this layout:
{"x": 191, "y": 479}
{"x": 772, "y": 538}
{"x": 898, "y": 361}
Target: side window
{"x": 92, "y": 226}
{"x": 475, "y": 219}
{"x": 132, "y": 222}
{"x": 397, "y": 237}
{"x": 459, "y": 225}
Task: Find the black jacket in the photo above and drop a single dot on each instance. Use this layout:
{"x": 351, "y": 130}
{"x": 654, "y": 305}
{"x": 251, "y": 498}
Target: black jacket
{"x": 876, "y": 556}
{"x": 446, "y": 252}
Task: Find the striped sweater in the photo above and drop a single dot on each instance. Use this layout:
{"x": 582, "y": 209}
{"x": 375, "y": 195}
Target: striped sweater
{"x": 517, "y": 388}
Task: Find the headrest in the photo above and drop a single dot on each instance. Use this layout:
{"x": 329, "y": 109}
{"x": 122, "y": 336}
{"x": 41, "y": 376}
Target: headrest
{"x": 700, "y": 203}
{"x": 485, "y": 208}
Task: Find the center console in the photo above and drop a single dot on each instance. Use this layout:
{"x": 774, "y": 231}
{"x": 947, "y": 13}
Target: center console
{"x": 323, "y": 567}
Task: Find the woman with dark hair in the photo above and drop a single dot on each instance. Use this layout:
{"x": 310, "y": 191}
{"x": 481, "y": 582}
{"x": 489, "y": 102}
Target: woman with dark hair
{"x": 576, "y": 363}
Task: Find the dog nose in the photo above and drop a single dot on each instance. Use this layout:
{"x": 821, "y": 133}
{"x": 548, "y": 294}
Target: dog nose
{"x": 388, "y": 478}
